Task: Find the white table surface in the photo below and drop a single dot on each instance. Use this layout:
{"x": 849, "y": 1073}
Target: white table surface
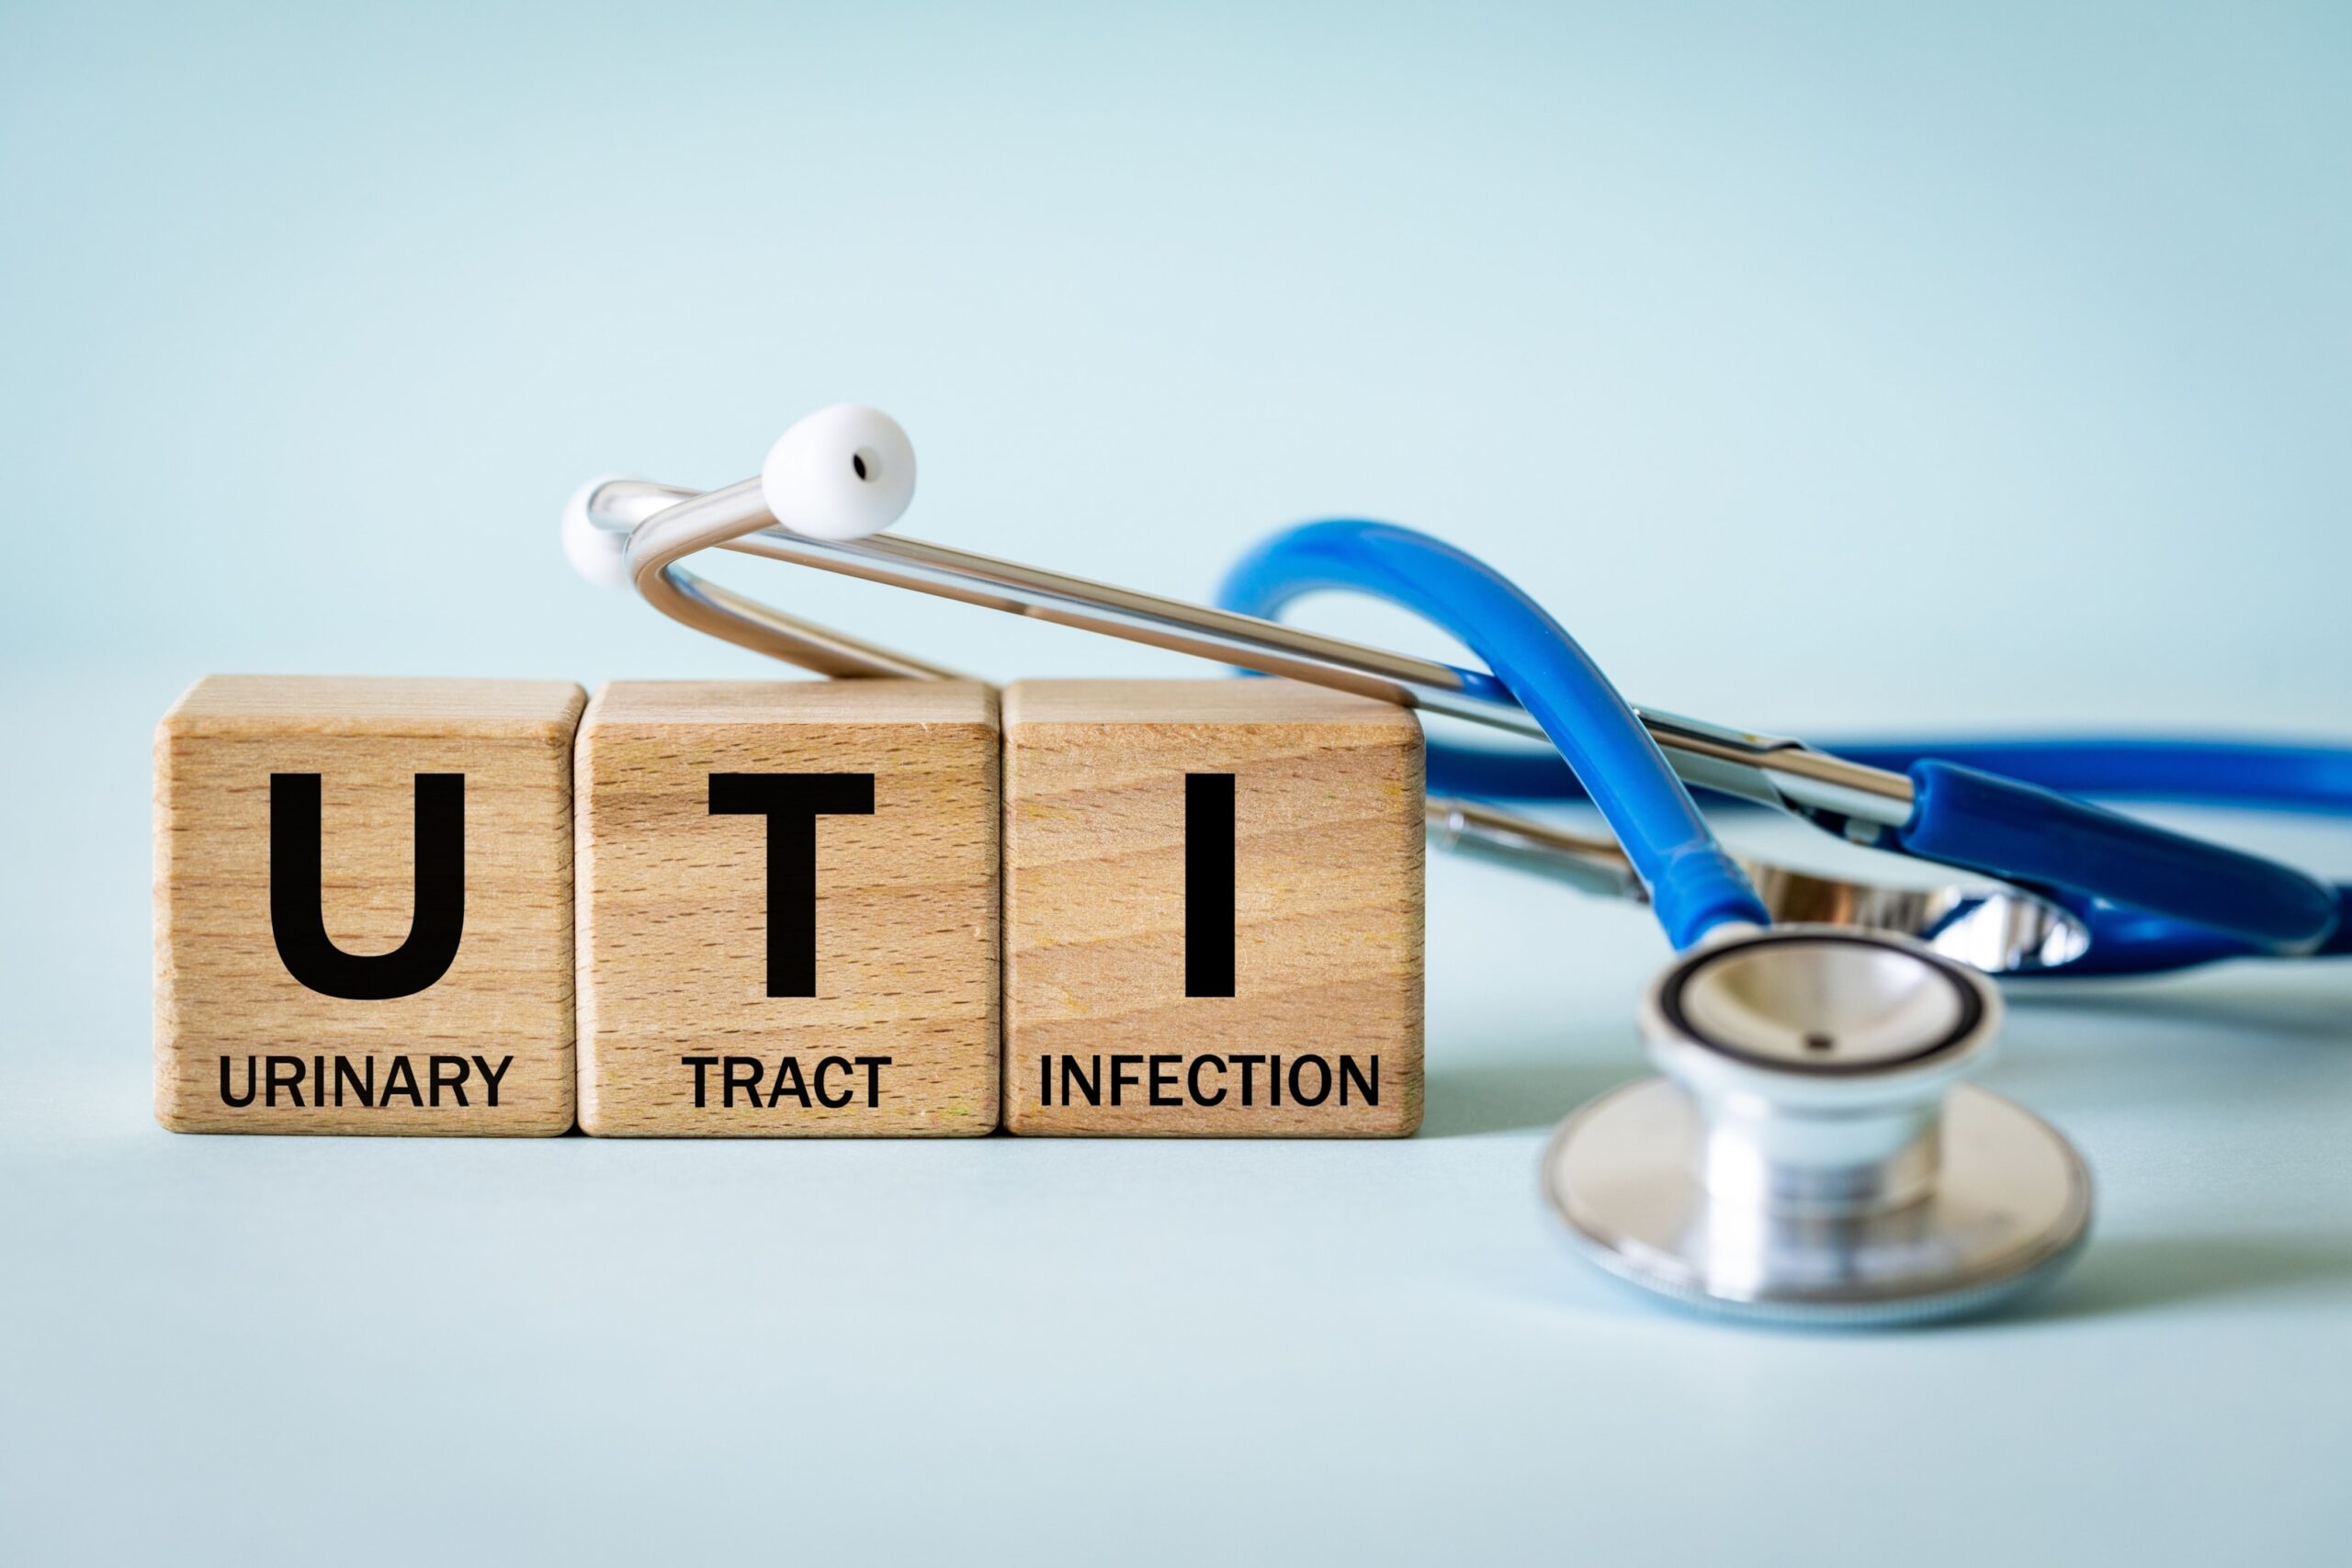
{"x": 226, "y": 1348}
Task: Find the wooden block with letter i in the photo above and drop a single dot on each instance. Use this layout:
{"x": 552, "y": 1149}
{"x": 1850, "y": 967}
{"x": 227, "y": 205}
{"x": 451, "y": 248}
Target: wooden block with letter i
{"x": 363, "y": 906}
{"x": 1211, "y": 910}
{"x": 788, "y": 909}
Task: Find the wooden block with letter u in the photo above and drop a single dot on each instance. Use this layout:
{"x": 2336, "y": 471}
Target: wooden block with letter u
{"x": 788, "y": 909}
{"x": 1213, "y": 910}
{"x": 363, "y": 906}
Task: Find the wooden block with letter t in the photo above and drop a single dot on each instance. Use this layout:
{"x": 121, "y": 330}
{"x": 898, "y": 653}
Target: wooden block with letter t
{"x": 363, "y": 906}
{"x": 1211, "y": 910}
{"x": 788, "y": 909}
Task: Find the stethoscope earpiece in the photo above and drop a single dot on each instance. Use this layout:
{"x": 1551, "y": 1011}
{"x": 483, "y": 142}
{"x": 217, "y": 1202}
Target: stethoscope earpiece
{"x": 843, "y": 472}
{"x": 598, "y": 554}
{"x": 1809, "y": 1154}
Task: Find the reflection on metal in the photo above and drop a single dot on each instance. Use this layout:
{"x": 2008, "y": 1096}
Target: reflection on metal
{"x": 1990, "y": 926}
{"x": 1998, "y": 929}
{"x": 666, "y": 524}
{"x": 1809, "y": 1152}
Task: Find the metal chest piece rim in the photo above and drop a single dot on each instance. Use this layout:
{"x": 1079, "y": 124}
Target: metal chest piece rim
{"x": 1808, "y": 1155}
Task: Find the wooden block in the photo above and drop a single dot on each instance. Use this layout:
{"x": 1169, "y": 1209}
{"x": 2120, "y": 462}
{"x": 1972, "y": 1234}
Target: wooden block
{"x": 1211, "y": 910}
{"x": 363, "y": 906}
{"x": 721, "y": 993}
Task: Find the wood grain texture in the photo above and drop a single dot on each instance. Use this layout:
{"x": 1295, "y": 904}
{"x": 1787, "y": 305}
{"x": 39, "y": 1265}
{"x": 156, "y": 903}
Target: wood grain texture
{"x": 1099, "y": 1035}
{"x": 674, "y": 918}
{"x": 225, "y": 1002}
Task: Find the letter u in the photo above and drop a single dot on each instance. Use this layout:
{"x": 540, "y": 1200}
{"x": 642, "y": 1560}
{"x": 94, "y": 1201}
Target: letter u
{"x": 298, "y": 919}
{"x": 228, "y": 1098}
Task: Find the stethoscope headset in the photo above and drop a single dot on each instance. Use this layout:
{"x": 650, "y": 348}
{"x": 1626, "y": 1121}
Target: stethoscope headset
{"x": 1809, "y": 1151}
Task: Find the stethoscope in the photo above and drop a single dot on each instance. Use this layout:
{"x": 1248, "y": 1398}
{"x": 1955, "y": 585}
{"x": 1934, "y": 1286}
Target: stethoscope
{"x": 1808, "y": 1152}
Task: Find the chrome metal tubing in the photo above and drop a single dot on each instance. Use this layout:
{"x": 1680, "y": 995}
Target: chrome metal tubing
{"x": 1994, "y": 927}
{"x": 666, "y": 524}
{"x": 1590, "y": 862}
{"x": 1989, "y": 925}
{"x": 658, "y": 542}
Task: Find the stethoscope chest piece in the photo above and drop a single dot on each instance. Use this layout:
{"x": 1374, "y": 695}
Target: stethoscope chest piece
{"x": 1809, "y": 1154}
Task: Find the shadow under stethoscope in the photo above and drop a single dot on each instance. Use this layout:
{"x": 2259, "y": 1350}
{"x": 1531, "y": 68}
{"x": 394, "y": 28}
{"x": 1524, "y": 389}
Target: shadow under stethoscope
{"x": 2320, "y": 1009}
{"x": 2145, "y": 1273}
{"x": 2116, "y": 1276}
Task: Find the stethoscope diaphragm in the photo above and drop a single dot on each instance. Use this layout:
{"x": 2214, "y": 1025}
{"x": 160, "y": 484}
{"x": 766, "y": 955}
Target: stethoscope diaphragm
{"x": 1809, "y": 1155}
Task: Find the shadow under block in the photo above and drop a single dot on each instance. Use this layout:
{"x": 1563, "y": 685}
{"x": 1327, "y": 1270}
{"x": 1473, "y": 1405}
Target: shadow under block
{"x": 724, "y": 990}
{"x": 363, "y": 906}
{"x": 1133, "y": 896}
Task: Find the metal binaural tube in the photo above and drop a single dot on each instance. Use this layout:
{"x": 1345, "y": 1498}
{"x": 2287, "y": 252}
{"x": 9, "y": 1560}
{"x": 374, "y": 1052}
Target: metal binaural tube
{"x": 660, "y": 541}
{"x": 1988, "y": 925}
{"x": 666, "y": 524}
{"x": 1996, "y": 927}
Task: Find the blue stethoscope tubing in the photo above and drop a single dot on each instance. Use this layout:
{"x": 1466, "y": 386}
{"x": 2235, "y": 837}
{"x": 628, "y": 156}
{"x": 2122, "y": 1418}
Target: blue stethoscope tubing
{"x": 2153, "y": 899}
{"x": 1694, "y": 885}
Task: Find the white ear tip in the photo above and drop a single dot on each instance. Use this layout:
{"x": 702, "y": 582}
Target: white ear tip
{"x": 842, "y": 473}
{"x": 598, "y": 554}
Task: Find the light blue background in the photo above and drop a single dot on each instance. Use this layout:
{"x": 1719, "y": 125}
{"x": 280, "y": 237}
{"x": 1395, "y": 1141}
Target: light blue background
{"x": 1830, "y": 368}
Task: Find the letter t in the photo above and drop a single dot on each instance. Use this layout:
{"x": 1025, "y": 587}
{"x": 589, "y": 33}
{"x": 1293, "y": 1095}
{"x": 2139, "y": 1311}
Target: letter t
{"x": 792, "y": 803}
